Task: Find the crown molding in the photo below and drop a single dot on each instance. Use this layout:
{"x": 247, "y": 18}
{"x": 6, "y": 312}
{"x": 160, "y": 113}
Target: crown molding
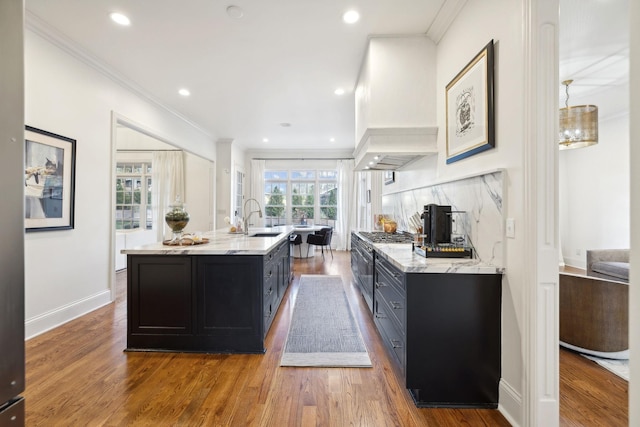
{"x": 445, "y": 16}
{"x": 41, "y": 28}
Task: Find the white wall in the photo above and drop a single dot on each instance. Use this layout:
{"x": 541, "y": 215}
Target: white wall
{"x": 474, "y": 27}
{"x": 199, "y": 188}
{"x": 224, "y": 182}
{"x": 67, "y": 272}
{"x": 594, "y": 193}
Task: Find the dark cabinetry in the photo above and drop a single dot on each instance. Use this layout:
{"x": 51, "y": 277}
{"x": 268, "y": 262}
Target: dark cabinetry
{"x": 277, "y": 275}
{"x": 389, "y": 312}
{"x": 362, "y": 267}
{"x": 204, "y": 303}
{"x": 443, "y": 330}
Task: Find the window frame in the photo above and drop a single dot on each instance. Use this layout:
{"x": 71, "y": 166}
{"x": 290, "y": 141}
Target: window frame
{"x": 125, "y": 171}
{"x": 290, "y": 177}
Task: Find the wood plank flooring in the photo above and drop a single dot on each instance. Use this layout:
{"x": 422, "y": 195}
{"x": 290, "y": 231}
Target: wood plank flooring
{"x": 79, "y": 375}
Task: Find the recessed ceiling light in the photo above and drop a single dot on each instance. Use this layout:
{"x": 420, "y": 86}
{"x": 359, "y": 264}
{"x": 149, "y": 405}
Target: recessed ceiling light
{"x": 285, "y": 124}
{"x": 332, "y": 140}
{"x": 351, "y": 17}
{"x": 119, "y": 18}
{"x": 184, "y": 92}
{"x": 339, "y": 91}
{"x": 265, "y": 139}
{"x": 235, "y": 12}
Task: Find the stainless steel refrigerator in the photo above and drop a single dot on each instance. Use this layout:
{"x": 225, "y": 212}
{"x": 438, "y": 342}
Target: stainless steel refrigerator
{"x": 12, "y": 311}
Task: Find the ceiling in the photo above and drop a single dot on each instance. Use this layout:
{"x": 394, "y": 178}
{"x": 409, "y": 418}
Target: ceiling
{"x": 281, "y": 62}
{"x": 594, "y": 53}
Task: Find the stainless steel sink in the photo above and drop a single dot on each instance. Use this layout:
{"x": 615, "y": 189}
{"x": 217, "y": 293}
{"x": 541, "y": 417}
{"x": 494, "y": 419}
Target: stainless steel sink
{"x": 274, "y": 234}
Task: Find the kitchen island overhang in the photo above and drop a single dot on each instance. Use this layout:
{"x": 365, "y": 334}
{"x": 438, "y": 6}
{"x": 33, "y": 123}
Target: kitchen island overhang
{"x": 218, "y": 297}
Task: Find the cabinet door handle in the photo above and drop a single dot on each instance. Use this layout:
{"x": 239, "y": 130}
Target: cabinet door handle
{"x": 270, "y": 291}
{"x": 396, "y": 344}
{"x": 395, "y": 305}
{"x": 381, "y": 285}
{"x": 380, "y": 316}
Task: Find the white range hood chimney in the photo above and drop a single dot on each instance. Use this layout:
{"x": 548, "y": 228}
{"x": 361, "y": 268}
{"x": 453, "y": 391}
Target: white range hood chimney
{"x": 395, "y": 101}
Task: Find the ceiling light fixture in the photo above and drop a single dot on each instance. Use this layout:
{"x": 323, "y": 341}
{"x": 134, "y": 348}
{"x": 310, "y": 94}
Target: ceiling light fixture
{"x": 184, "y": 92}
{"x": 578, "y": 124}
{"x": 265, "y": 139}
{"x": 339, "y": 91}
{"x": 120, "y": 19}
{"x": 332, "y": 140}
{"x": 285, "y": 124}
{"x": 235, "y": 12}
{"x": 351, "y": 17}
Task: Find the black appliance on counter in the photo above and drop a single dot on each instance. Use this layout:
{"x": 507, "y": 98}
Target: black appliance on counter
{"x": 436, "y": 226}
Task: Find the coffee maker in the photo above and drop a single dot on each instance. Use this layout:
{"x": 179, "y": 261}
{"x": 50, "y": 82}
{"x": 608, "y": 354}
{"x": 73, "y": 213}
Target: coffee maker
{"x": 436, "y": 224}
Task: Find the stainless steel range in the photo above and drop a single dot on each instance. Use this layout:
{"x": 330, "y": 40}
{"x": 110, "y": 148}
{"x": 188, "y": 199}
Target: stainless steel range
{"x": 382, "y": 237}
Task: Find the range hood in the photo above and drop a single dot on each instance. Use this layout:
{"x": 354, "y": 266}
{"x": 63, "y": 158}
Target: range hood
{"x": 392, "y": 148}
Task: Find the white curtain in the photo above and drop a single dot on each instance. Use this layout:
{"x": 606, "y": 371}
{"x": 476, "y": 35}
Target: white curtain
{"x": 257, "y": 189}
{"x": 346, "y": 203}
{"x": 376, "y": 195}
{"x": 167, "y": 182}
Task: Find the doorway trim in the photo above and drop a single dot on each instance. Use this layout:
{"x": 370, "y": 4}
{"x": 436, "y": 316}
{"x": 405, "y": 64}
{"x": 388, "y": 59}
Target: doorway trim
{"x": 541, "y": 320}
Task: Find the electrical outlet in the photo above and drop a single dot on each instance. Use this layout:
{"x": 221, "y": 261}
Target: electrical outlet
{"x": 511, "y": 228}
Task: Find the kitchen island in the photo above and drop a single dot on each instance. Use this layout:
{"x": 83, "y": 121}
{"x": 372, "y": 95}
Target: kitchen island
{"x": 216, "y": 297}
{"x": 439, "y": 318}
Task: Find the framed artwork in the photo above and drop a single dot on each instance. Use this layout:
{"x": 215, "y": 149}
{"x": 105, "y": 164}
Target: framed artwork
{"x": 49, "y": 180}
{"x": 389, "y": 177}
{"x": 470, "y": 108}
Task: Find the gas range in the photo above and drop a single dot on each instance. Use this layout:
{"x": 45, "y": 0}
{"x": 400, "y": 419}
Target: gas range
{"x": 382, "y": 237}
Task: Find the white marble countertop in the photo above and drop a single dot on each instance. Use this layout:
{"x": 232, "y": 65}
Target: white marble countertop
{"x": 221, "y": 242}
{"x": 401, "y": 255}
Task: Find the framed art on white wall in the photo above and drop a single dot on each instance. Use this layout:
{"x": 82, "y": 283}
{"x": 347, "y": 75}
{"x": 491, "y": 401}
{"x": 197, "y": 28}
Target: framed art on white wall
{"x": 49, "y": 180}
{"x": 470, "y": 108}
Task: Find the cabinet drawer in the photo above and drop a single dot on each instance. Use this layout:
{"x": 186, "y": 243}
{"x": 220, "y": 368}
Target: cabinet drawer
{"x": 393, "y": 298}
{"x": 270, "y": 287}
{"x": 393, "y": 275}
{"x": 270, "y": 271}
{"x": 392, "y": 337}
{"x": 270, "y": 307}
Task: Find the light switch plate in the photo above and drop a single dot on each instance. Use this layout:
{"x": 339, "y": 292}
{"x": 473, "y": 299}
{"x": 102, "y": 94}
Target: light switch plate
{"x": 511, "y": 228}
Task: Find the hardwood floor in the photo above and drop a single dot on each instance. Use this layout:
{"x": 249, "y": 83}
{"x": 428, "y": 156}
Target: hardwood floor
{"x": 590, "y": 395}
{"x": 79, "y": 375}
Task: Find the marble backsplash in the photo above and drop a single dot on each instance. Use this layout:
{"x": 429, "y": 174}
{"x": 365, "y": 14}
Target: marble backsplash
{"x": 479, "y": 197}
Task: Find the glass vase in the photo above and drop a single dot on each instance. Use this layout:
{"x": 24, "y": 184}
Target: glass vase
{"x": 177, "y": 219}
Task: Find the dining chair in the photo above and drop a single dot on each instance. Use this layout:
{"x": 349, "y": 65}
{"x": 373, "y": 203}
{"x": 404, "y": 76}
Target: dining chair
{"x": 296, "y": 240}
{"x": 320, "y": 238}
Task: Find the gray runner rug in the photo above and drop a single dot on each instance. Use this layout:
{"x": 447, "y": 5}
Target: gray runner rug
{"x": 323, "y": 331}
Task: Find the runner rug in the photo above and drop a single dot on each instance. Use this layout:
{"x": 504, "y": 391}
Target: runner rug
{"x": 323, "y": 331}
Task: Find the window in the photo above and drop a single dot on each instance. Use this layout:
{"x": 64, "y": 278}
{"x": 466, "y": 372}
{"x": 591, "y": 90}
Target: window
{"x": 312, "y": 196}
{"x": 133, "y": 196}
{"x": 275, "y": 197}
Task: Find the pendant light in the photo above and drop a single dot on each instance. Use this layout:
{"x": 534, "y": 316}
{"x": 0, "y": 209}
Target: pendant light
{"x": 578, "y": 124}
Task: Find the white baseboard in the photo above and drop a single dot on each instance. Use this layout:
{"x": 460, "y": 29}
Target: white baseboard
{"x": 576, "y": 262}
{"x": 510, "y": 403}
{"x": 54, "y": 318}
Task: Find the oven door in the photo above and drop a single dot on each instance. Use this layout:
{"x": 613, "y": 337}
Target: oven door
{"x": 364, "y": 263}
